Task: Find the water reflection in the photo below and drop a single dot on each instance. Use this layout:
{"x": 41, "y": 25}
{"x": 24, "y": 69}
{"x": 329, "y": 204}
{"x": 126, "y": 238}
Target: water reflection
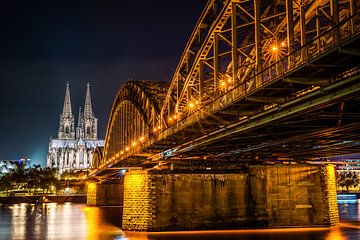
{"x": 101, "y": 223}
{"x": 76, "y": 221}
{"x": 58, "y": 221}
{"x": 350, "y": 211}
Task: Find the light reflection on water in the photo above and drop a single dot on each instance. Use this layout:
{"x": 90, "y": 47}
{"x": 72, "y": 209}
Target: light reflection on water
{"x": 77, "y": 221}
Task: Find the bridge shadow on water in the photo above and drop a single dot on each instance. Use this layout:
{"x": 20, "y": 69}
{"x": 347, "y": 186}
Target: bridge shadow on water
{"x": 77, "y": 221}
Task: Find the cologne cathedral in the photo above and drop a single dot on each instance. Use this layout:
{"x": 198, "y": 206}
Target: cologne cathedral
{"x": 74, "y": 146}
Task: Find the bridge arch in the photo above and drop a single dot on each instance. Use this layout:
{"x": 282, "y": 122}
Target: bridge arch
{"x": 134, "y": 113}
{"x": 97, "y": 157}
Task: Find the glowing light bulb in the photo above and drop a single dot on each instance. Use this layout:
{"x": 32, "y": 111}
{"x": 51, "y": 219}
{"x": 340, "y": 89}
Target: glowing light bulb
{"x": 134, "y": 144}
{"x": 127, "y": 148}
{"x": 142, "y": 139}
{"x": 282, "y": 44}
{"x": 274, "y": 48}
{"x": 122, "y": 152}
{"x": 191, "y": 105}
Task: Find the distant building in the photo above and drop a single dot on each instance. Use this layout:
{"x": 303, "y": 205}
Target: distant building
{"x": 74, "y": 146}
{"x": 7, "y": 166}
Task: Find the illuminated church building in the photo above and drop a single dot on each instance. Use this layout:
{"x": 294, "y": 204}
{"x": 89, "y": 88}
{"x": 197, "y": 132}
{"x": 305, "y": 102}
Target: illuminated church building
{"x": 74, "y": 146}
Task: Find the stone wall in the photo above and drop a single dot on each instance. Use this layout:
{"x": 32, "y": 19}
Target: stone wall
{"x": 329, "y": 189}
{"x": 289, "y": 195}
{"x": 105, "y": 194}
{"x": 139, "y": 204}
{"x": 262, "y": 196}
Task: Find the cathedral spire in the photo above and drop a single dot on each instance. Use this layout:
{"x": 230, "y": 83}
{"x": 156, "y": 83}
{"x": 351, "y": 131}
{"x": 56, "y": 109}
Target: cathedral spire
{"x": 67, "y": 103}
{"x": 79, "y": 128}
{"x": 66, "y": 129}
{"x": 80, "y": 117}
{"x": 88, "y": 108}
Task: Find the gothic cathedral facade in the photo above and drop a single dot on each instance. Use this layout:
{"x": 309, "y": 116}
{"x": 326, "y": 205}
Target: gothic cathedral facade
{"x": 74, "y": 146}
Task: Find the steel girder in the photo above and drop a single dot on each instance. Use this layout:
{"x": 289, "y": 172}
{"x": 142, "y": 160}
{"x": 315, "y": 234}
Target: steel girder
{"x": 244, "y": 58}
{"x": 97, "y": 157}
{"x": 234, "y": 41}
{"x": 134, "y": 111}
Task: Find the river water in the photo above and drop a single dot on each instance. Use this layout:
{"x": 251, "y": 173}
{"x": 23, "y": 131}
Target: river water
{"x": 77, "y": 221}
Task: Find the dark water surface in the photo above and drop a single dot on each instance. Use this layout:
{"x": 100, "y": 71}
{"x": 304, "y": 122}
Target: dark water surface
{"x": 77, "y": 221}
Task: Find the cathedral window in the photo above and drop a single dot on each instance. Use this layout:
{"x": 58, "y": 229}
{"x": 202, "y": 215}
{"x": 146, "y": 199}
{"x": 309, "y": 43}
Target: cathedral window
{"x": 67, "y": 130}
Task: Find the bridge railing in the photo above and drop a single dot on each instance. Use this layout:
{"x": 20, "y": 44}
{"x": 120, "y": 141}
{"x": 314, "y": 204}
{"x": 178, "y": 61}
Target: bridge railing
{"x": 317, "y": 46}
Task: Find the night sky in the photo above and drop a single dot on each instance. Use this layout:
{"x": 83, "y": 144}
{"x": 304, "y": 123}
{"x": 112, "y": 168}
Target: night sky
{"x": 44, "y": 44}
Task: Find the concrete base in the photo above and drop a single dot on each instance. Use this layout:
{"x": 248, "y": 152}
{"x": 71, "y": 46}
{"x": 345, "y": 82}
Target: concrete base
{"x": 261, "y": 196}
{"x": 105, "y": 194}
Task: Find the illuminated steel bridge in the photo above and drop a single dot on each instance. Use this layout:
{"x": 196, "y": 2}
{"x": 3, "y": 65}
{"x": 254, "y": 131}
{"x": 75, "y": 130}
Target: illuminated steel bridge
{"x": 258, "y": 81}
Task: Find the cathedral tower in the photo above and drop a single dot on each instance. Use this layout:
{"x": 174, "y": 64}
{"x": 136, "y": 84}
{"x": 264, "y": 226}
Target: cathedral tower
{"x": 90, "y": 121}
{"x": 74, "y": 150}
{"x": 66, "y": 128}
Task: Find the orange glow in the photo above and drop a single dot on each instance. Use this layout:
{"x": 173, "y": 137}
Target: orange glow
{"x": 91, "y": 186}
{"x": 121, "y": 152}
{"x": 127, "y": 148}
{"x": 197, "y": 102}
{"x": 170, "y": 119}
{"x": 134, "y": 144}
{"x": 229, "y": 78}
{"x": 274, "y": 48}
{"x": 282, "y": 44}
{"x": 155, "y": 130}
{"x": 191, "y": 105}
{"x": 223, "y": 84}
{"x": 174, "y": 116}
{"x": 149, "y": 235}
{"x": 336, "y": 234}
{"x": 142, "y": 139}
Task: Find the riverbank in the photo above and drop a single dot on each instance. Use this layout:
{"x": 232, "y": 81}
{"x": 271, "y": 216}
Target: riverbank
{"x": 75, "y": 198}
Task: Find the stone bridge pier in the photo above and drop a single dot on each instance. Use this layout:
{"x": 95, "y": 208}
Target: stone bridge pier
{"x": 110, "y": 193}
{"x": 258, "y": 196}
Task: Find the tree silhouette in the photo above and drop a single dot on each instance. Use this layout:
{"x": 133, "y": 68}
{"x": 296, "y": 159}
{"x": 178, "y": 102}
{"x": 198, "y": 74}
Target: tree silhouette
{"x": 347, "y": 179}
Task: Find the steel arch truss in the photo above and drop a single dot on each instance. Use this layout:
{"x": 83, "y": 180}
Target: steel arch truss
{"x": 134, "y": 113}
{"x": 239, "y": 42}
{"x": 97, "y": 157}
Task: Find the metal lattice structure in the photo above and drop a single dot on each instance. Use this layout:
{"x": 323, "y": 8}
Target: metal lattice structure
{"x": 134, "y": 111}
{"x": 249, "y": 69}
{"x": 238, "y": 44}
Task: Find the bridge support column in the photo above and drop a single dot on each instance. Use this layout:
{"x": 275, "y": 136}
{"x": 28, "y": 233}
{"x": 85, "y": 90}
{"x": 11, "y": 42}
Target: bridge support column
{"x": 105, "y": 194}
{"x": 258, "y": 196}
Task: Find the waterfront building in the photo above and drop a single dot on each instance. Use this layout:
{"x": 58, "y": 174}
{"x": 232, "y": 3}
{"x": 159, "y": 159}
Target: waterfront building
{"x": 7, "y": 166}
{"x": 74, "y": 146}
